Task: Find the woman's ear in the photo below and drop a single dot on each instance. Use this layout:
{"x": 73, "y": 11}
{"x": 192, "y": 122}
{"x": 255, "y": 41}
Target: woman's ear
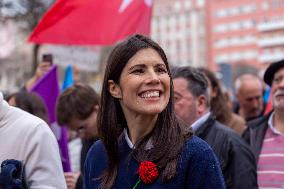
{"x": 114, "y": 89}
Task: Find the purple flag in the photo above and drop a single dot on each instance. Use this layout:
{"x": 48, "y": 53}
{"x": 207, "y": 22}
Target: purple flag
{"x": 47, "y": 87}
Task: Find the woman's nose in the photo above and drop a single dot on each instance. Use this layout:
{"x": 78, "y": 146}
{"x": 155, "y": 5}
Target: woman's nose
{"x": 153, "y": 77}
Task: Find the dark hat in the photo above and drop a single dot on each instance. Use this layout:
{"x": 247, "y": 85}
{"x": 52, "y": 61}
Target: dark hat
{"x": 271, "y": 70}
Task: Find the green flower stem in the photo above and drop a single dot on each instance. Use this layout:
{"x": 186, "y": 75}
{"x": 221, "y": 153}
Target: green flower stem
{"x": 137, "y": 183}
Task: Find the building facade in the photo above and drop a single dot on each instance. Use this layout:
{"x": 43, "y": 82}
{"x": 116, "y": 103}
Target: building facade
{"x": 179, "y": 27}
{"x": 246, "y": 31}
{"x": 210, "y": 32}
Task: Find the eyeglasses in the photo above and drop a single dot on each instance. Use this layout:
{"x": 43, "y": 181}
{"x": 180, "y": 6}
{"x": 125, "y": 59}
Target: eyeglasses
{"x": 79, "y": 130}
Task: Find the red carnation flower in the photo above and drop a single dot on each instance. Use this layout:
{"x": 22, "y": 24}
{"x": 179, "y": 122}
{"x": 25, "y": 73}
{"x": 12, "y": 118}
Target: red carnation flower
{"x": 148, "y": 172}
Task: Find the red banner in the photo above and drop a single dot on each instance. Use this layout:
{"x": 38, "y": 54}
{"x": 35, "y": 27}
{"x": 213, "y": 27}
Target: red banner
{"x": 92, "y": 22}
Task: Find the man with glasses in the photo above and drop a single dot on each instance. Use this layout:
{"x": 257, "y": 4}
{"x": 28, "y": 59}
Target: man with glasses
{"x": 266, "y": 134}
{"x": 192, "y": 105}
{"x": 77, "y": 108}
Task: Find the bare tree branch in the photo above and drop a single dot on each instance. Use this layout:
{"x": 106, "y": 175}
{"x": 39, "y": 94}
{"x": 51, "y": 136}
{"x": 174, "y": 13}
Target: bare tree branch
{"x": 26, "y": 12}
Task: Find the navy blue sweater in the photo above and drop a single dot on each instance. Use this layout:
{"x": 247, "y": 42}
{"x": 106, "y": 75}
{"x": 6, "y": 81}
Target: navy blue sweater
{"x": 197, "y": 168}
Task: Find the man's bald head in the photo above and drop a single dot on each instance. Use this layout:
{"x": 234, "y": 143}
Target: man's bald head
{"x": 249, "y": 92}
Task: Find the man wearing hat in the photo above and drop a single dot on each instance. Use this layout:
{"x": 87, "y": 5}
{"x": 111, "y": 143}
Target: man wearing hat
{"x": 266, "y": 134}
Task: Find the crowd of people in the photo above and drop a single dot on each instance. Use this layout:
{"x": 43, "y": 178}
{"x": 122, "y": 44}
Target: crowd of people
{"x": 152, "y": 126}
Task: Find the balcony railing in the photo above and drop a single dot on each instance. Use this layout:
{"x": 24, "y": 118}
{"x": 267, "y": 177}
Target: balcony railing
{"x": 271, "y": 57}
{"x": 270, "y": 26}
{"x": 272, "y": 41}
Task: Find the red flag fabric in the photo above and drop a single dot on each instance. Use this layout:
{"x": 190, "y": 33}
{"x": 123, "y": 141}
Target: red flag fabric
{"x": 92, "y": 22}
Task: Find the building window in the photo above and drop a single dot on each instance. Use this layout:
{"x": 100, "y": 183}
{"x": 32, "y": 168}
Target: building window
{"x": 221, "y": 13}
{"x": 235, "y": 56}
{"x": 265, "y": 6}
{"x": 249, "y": 54}
{"x": 187, "y": 5}
{"x": 234, "y": 11}
{"x": 247, "y": 24}
{"x": 235, "y": 26}
{"x": 220, "y": 28}
{"x": 200, "y": 3}
{"x": 249, "y": 8}
{"x": 177, "y": 6}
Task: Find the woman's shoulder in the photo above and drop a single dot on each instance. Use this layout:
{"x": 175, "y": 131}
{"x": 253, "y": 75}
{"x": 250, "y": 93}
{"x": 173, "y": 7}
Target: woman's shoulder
{"x": 195, "y": 148}
{"x": 201, "y": 164}
{"x": 97, "y": 153}
{"x": 196, "y": 144}
{"x": 97, "y": 148}
{"x": 96, "y": 157}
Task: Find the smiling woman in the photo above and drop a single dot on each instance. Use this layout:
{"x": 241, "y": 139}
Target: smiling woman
{"x": 137, "y": 126}
{"x": 144, "y": 85}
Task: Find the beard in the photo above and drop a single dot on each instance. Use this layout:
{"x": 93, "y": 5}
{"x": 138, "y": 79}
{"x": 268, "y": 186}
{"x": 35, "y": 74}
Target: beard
{"x": 278, "y": 99}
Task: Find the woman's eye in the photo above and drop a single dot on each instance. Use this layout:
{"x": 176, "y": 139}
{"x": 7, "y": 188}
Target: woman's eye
{"x": 162, "y": 70}
{"x": 137, "y": 71}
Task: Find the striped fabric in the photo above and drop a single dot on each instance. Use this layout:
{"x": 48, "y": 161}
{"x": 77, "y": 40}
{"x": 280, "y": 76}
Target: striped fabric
{"x": 270, "y": 168}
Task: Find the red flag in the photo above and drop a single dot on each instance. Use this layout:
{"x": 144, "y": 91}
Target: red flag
{"x": 92, "y": 22}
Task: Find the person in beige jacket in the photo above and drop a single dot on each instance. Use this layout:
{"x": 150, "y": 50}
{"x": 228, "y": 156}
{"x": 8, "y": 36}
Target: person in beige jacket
{"x": 28, "y": 139}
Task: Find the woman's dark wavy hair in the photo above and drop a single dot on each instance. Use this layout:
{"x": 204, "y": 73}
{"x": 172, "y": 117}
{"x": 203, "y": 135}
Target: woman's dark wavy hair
{"x": 218, "y": 104}
{"x": 168, "y": 135}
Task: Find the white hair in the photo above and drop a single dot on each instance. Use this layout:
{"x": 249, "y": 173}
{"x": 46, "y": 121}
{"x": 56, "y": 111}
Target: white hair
{"x": 244, "y": 78}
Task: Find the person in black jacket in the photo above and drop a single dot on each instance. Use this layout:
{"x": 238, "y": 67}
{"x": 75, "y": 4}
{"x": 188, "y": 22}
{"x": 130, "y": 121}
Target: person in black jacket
{"x": 77, "y": 108}
{"x": 265, "y": 135}
{"x": 192, "y": 105}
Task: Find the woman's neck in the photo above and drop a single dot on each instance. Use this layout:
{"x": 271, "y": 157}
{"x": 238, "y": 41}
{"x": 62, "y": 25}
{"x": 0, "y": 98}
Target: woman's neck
{"x": 139, "y": 126}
